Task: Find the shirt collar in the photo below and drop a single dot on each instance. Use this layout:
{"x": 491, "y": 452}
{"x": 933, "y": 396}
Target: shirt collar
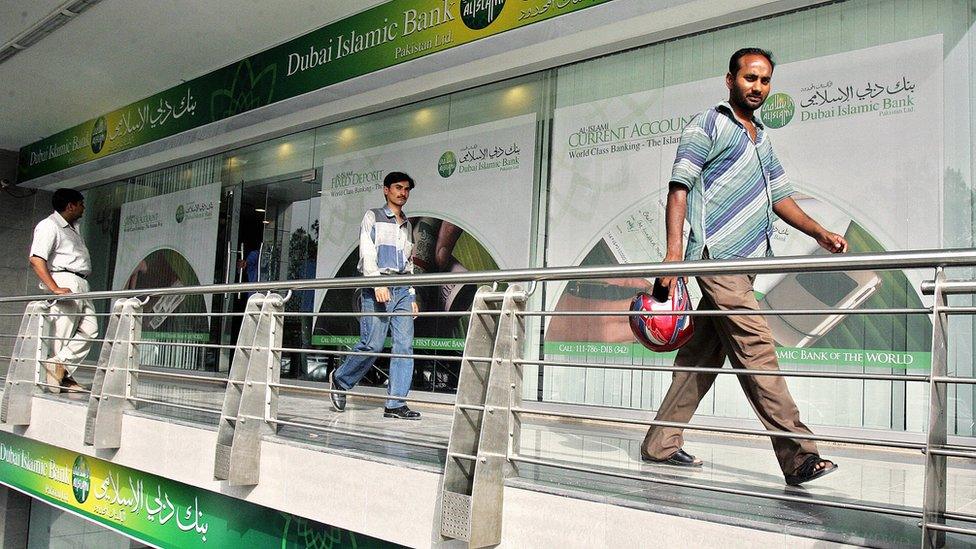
{"x": 389, "y": 212}
{"x": 725, "y": 108}
{"x": 56, "y": 216}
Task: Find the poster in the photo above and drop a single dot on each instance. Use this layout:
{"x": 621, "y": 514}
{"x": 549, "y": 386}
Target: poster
{"x": 860, "y": 136}
{"x": 471, "y": 210}
{"x": 170, "y": 241}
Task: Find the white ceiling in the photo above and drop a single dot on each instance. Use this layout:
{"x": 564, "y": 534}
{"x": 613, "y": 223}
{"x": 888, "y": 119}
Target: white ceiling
{"x": 120, "y": 51}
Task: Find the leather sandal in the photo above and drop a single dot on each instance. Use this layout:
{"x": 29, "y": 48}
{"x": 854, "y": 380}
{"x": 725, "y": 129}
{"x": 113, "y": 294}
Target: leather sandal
{"x": 52, "y": 379}
{"x": 808, "y": 470}
{"x": 69, "y": 384}
{"x": 679, "y": 458}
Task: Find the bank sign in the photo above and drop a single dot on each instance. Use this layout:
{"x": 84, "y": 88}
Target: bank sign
{"x": 155, "y": 510}
{"x": 386, "y": 35}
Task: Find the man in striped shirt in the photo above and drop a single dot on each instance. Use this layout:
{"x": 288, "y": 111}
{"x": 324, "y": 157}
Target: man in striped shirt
{"x": 727, "y": 182}
{"x": 385, "y": 248}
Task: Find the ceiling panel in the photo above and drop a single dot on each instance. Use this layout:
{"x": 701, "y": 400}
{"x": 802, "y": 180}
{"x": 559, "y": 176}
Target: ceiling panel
{"x": 120, "y": 51}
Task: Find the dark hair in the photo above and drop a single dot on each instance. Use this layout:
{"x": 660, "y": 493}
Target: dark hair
{"x": 734, "y": 60}
{"x": 63, "y": 197}
{"x": 396, "y": 177}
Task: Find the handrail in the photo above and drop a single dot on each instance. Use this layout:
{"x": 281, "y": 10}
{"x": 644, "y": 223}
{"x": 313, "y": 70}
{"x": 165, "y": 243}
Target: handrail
{"x": 965, "y": 257}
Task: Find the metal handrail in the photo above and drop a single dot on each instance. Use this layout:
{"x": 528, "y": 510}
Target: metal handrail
{"x": 965, "y": 257}
{"x": 851, "y": 262}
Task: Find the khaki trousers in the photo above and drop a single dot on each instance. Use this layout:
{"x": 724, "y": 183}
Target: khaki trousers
{"x": 747, "y": 342}
{"x": 77, "y": 330}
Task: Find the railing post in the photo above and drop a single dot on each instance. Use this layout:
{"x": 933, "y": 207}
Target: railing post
{"x": 250, "y": 401}
{"x": 26, "y": 365}
{"x": 116, "y": 376}
{"x": 934, "y": 498}
{"x": 483, "y": 432}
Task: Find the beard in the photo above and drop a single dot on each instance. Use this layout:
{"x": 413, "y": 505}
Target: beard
{"x": 747, "y": 101}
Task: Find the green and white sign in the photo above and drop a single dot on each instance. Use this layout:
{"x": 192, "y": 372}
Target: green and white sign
{"x": 156, "y": 510}
{"x": 471, "y": 211}
{"x": 159, "y": 246}
{"x": 380, "y": 37}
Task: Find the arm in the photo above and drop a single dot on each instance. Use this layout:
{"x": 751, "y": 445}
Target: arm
{"x": 789, "y": 211}
{"x": 674, "y": 219}
{"x": 42, "y": 247}
{"x": 693, "y": 149}
{"x": 40, "y": 269}
{"x": 367, "y": 255}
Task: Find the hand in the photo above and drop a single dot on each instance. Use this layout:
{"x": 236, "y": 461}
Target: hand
{"x": 382, "y": 294}
{"x": 832, "y": 242}
{"x": 57, "y": 290}
{"x": 668, "y": 281}
{"x": 415, "y": 309}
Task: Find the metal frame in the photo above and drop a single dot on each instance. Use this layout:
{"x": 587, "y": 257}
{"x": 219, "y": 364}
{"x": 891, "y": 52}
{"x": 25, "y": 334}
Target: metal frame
{"x": 483, "y": 448}
{"x": 116, "y": 376}
{"x": 250, "y": 407}
{"x": 26, "y": 365}
{"x": 934, "y": 497}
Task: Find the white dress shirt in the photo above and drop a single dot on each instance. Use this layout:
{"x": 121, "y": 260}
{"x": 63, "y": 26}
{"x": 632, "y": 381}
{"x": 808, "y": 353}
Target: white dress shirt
{"x": 61, "y": 245}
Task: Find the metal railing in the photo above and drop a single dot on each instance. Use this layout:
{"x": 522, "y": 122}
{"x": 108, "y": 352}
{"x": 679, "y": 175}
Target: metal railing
{"x": 484, "y": 446}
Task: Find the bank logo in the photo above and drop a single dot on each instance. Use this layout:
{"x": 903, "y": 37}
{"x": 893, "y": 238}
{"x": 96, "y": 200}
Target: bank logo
{"x": 98, "y": 135}
{"x": 80, "y": 479}
{"x": 778, "y": 110}
{"x": 180, "y": 214}
{"x": 447, "y": 164}
{"x": 478, "y": 14}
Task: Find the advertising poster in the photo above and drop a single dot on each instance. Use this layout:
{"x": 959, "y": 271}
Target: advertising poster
{"x": 471, "y": 211}
{"x": 860, "y": 137}
{"x": 169, "y": 241}
{"x": 156, "y": 510}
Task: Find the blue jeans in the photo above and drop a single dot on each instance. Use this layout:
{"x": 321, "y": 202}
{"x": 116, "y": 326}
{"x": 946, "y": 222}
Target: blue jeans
{"x": 372, "y": 331}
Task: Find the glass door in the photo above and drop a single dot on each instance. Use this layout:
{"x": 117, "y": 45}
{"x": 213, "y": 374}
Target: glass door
{"x": 279, "y": 241}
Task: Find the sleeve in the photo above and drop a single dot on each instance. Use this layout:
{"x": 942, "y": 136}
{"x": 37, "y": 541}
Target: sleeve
{"x": 367, "y": 245}
{"x": 409, "y": 266}
{"x": 45, "y": 239}
{"x": 693, "y": 150}
{"x": 780, "y": 186}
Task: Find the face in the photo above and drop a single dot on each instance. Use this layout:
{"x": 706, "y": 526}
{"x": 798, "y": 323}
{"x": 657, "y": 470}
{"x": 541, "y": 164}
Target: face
{"x": 749, "y": 87}
{"x": 74, "y": 211}
{"x": 397, "y": 193}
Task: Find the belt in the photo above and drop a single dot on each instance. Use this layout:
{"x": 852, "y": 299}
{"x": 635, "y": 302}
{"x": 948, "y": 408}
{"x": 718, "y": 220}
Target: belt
{"x": 79, "y": 275}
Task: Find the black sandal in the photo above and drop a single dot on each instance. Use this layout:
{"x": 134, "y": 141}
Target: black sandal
{"x": 808, "y": 471}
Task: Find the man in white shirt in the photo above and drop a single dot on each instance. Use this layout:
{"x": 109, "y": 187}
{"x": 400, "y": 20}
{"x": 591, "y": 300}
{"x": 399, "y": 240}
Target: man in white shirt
{"x": 61, "y": 261}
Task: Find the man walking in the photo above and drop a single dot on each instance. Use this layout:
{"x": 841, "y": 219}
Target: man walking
{"x": 61, "y": 261}
{"x": 385, "y": 247}
{"x": 728, "y": 183}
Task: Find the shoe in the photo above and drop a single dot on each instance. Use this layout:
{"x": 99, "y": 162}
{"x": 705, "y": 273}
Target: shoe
{"x": 679, "y": 458}
{"x": 338, "y": 400}
{"x": 401, "y": 413}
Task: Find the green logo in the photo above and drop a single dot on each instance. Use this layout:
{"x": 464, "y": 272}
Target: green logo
{"x": 447, "y": 164}
{"x": 778, "y": 110}
{"x": 80, "y": 479}
{"x": 98, "y": 135}
{"x": 180, "y": 214}
{"x": 478, "y": 14}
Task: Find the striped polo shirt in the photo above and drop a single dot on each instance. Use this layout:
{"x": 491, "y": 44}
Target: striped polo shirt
{"x": 732, "y": 185}
{"x": 385, "y": 246}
